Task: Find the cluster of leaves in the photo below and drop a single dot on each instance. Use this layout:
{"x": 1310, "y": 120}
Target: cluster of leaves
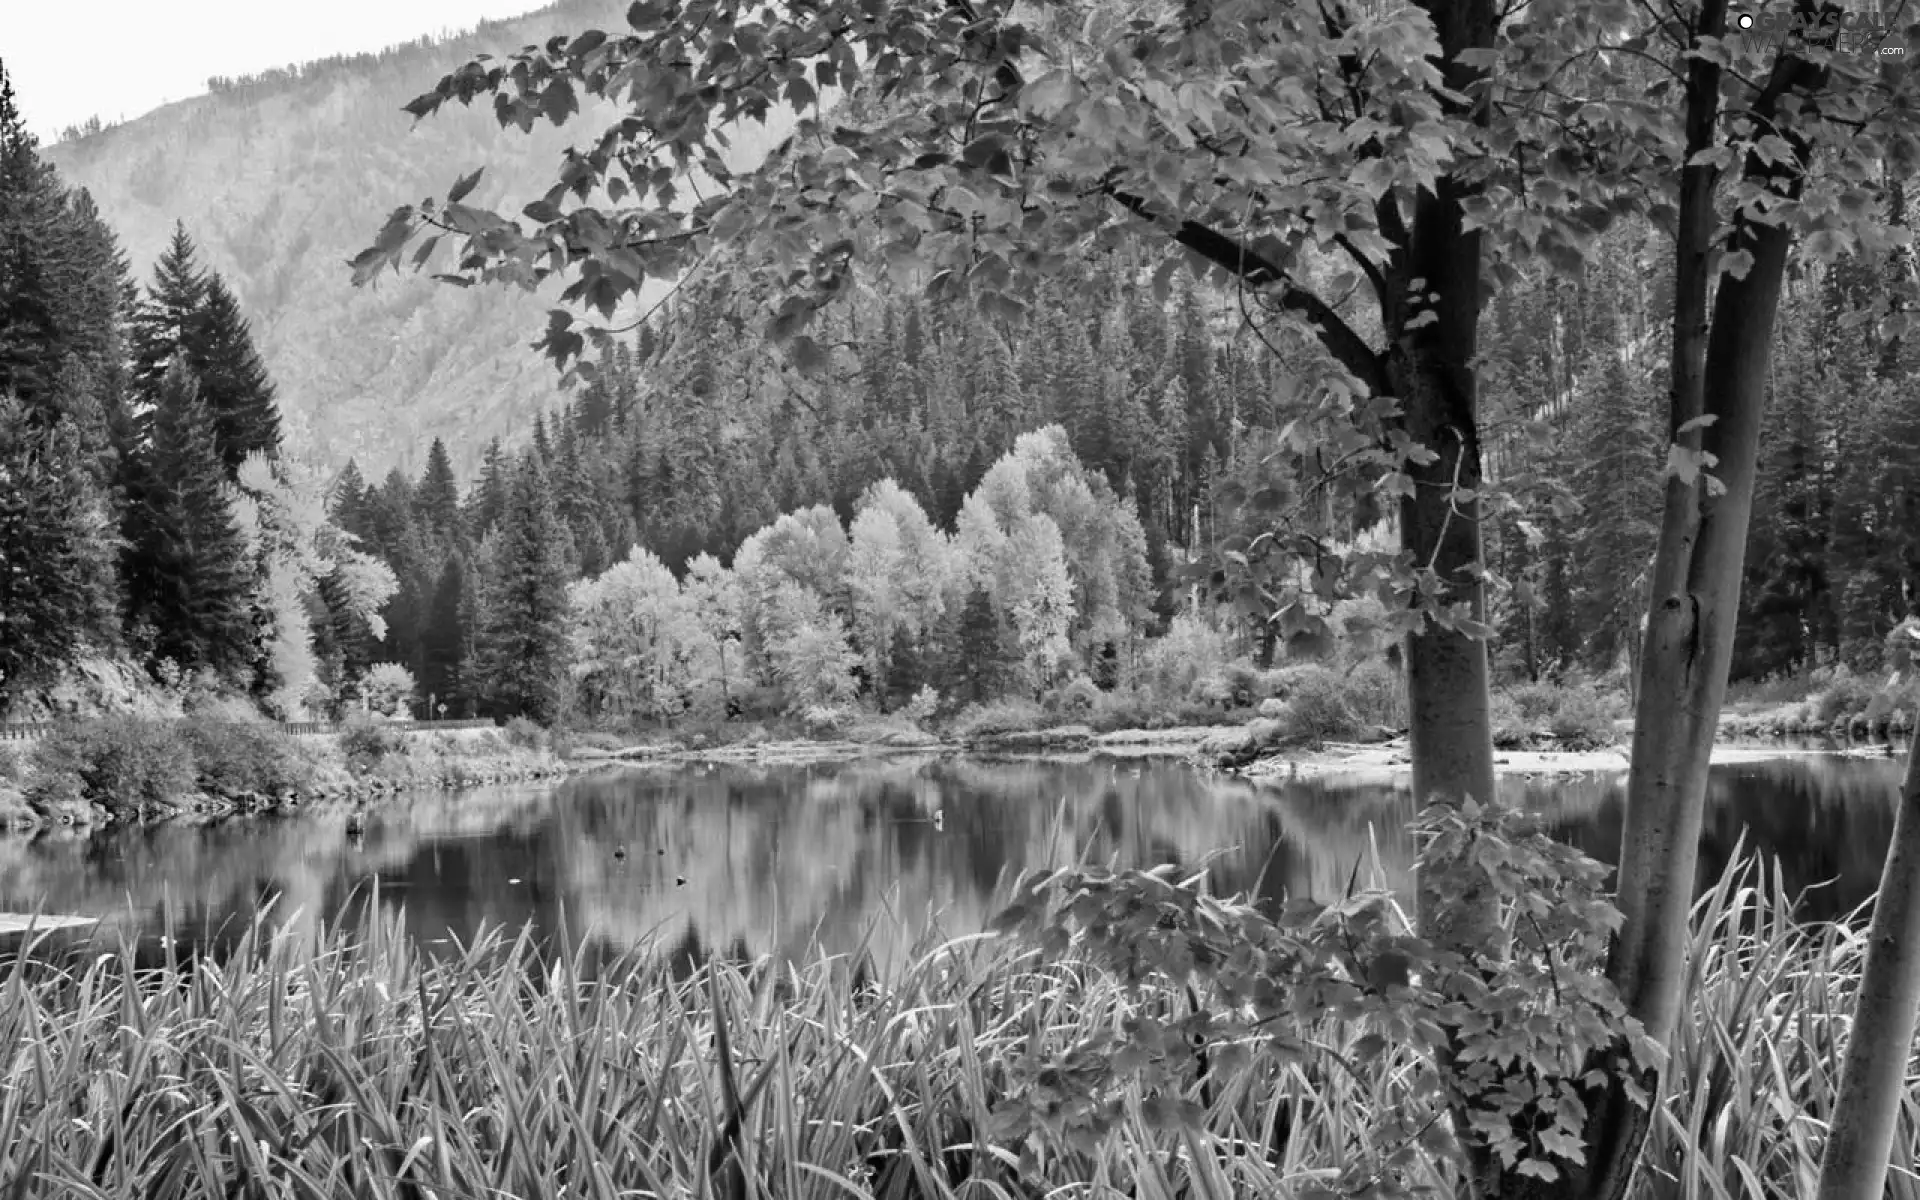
{"x": 1499, "y": 1047}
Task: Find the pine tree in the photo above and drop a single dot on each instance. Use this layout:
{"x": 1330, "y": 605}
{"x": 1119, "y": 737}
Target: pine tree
{"x": 164, "y": 321}
{"x": 436, "y": 501}
{"x": 980, "y": 655}
{"x": 190, "y": 313}
{"x": 55, "y": 571}
{"x": 347, "y": 501}
{"x": 233, "y": 379}
{"x": 1619, "y": 491}
{"x": 488, "y": 502}
{"x": 906, "y": 667}
{"x": 522, "y": 642}
{"x": 30, "y": 204}
{"x": 189, "y": 582}
{"x": 443, "y": 642}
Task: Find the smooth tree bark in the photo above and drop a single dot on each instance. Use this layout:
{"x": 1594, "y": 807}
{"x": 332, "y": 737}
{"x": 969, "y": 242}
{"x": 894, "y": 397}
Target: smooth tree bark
{"x": 1719, "y": 382}
{"x": 1873, "y": 1076}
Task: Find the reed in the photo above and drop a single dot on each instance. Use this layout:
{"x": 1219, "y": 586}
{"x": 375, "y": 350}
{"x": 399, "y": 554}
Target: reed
{"x": 356, "y": 1066}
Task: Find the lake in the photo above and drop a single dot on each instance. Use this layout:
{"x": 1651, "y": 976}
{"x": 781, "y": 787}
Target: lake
{"x": 750, "y": 860}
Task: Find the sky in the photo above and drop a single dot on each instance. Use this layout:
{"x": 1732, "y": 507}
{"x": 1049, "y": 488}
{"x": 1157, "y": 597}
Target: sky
{"x": 124, "y": 58}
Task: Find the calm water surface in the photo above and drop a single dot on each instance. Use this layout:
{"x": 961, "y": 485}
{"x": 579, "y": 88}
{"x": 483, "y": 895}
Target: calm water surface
{"x": 756, "y": 860}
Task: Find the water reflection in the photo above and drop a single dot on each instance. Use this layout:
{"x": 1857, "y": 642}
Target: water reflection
{"x": 759, "y": 860}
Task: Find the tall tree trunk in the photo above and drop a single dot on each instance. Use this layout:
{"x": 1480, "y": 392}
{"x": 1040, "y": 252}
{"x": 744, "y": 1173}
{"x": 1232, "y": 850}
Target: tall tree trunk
{"x": 1719, "y": 393}
{"x": 1430, "y": 369}
{"x": 1873, "y": 1079}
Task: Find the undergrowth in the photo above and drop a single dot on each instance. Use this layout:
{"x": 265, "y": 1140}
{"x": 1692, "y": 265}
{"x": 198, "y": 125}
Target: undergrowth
{"x": 1055, "y": 1064}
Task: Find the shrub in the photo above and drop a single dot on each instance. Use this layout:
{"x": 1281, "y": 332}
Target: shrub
{"x": 594, "y": 739}
{"x": 124, "y": 763}
{"x": 1076, "y": 699}
{"x": 232, "y": 757}
{"x": 1536, "y": 702}
{"x": 526, "y": 735}
{"x": 1840, "y": 694}
{"x": 389, "y": 689}
{"x": 1212, "y": 691}
{"x": 366, "y": 741}
{"x": 921, "y": 708}
{"x": 1511, "y": 730}
{"x": 1246, "y": 685}
{"x": 1377, "y": 695}
{"x": 1191, "y": 650}
{"x": 1583, "y": 719}
{"x": 824, "y": 720}
{"x": 998, "y": 716}
{"x": 1319, "y": 709}
{"x": 1129, "y": 709}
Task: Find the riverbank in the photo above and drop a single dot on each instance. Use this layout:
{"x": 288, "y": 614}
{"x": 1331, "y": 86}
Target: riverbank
{"x": 1183, "y": 741}
{"x": 121, "y": 770}
{"x": 1385, "y": 759}
{"x": 1390, "y": 762}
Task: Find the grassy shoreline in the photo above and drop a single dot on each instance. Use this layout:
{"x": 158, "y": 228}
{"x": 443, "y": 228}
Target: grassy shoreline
{"x": 354, "y": 1066}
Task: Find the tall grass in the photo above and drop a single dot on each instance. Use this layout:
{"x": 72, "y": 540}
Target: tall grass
{"x": 356, "y": 1066}
{"x": 1755, "y": 1070}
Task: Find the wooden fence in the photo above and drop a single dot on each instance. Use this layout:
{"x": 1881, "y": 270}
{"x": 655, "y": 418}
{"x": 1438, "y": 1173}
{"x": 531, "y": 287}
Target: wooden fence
{"x": 23, "y": 731}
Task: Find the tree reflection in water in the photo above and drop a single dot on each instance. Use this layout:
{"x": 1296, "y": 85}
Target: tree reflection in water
{"x": 847, "y": 859}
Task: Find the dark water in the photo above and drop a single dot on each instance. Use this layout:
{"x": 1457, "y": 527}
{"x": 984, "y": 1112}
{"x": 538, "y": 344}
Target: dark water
{"x": 752, "y": 860}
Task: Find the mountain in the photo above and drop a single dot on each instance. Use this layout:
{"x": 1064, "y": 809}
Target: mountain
{"x": 281, "y": 178}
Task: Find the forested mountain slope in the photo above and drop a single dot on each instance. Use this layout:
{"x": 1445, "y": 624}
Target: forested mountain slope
{"x": 279, "y": 180}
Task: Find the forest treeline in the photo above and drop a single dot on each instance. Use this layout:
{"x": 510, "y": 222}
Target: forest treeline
{"x": 164, "y": 519}
{"x": 1178, "y": 417}
{"x": 147, "y": 508}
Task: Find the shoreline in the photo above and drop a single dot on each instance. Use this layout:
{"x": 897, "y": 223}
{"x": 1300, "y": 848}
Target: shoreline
{"x": 1389, "y": 762}
{"x": 1387, "y": 758}
{"x": 1386, "y": 762}
{"x": 419, "y": 766}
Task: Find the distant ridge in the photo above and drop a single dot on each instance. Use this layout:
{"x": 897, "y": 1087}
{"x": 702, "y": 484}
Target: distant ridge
{"x": 283, "y": 176}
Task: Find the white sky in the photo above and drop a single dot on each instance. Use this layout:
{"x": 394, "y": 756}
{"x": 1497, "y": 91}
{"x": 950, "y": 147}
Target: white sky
{"x": 120, "y": 58}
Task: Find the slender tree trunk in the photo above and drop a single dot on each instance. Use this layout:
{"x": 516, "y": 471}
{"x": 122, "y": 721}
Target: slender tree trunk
{"x": 1873, "y": 1079}
{"x": 1719, "y": 393}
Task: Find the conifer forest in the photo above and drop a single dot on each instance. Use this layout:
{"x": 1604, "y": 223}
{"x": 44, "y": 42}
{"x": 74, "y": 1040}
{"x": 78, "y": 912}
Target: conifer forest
{"x": 976, "y": 505}
{"x": 1465, "y": 455}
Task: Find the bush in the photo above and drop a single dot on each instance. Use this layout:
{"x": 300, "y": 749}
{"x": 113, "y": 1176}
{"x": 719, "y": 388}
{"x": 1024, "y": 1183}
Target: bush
{"x": 233, "y": 757}
{"x": 123, "y": 763}
{"x": 1129, "y": 709}
{"x": 526, "y": 735}
{"x": 366, "y": 741}
{"x": 1536, "y": 702}
{"x": 1320, "y": 709}
{"x": 1511, "y": 730}
{"x": 13, "y": 764}
{"x": 1191, "y": 650}
{"x": 389, "y": 689}
{"x": 1076, "y": 699}
{"x": 1840, "y": 694}
{"x": 825, "y": 720}
{"x": 997, "y": 717}
{"x": 595, "y": 739}
{"x": 1212, "y": 691}
{"x": 1246, "y": 685}
{"x": 1377, "y": 694}
{"x": 921, "y": 708}
{"x": 1583, "y": 719}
